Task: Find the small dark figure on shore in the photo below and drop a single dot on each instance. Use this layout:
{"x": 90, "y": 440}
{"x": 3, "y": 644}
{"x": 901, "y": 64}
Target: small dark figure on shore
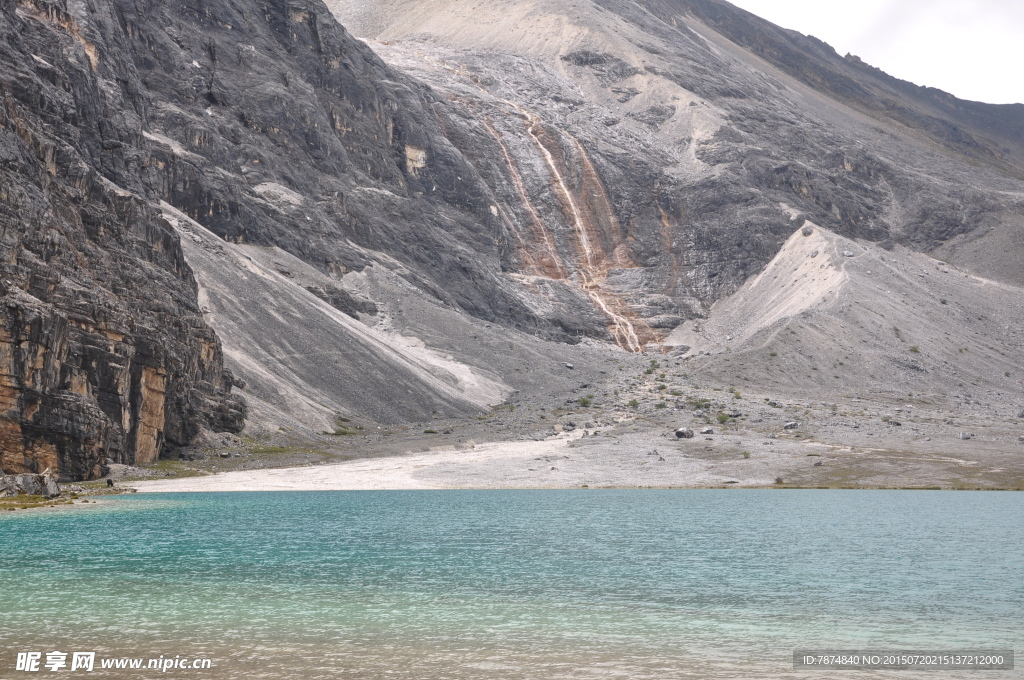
{"x": 110, "y": 482}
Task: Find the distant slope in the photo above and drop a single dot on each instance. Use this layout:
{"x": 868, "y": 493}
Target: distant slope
{"x": 990, "y": 133}
{"x": 830, "y": 316}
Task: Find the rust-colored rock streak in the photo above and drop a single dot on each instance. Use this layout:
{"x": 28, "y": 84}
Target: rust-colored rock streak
{"x": 593, "y": 269}
{"x": 149, "y": 433}
{"x": 549, "y": 263}
{"x": 601, "y": 211}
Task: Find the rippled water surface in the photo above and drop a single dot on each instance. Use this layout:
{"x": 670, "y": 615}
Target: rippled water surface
{"x": 513, "y": 584}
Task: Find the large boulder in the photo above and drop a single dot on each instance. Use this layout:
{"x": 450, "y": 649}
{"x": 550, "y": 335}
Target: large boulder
{"x": 684, "y": 433}
{"x": 31, "y": 485}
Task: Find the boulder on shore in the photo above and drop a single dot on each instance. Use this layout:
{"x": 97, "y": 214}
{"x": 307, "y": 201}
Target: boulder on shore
{"x": 684, "y": 433}
{"x": 29, "y": 484}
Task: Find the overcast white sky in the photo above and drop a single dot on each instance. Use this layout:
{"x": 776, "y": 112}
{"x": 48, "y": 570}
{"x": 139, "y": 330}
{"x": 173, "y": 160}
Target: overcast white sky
{"x": 973, "y": 49}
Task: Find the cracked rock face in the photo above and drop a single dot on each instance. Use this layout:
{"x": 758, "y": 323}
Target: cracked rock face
{"x": 103, "y": 352}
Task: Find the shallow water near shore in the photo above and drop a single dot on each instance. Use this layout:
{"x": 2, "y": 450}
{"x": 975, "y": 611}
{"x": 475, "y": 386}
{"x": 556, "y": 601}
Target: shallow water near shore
{"x": 514, "y": 584}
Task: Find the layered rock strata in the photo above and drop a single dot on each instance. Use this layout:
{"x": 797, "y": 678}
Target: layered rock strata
{"x": 103, "y": 350}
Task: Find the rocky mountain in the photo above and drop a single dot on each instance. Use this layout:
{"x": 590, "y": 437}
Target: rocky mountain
{"x": 241, "y": 197}
{"x": 690, "y": 110}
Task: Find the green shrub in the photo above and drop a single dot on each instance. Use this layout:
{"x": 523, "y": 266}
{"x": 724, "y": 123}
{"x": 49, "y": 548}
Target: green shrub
{"x": 633, "y": 403}
{"x": 260, "y": 450}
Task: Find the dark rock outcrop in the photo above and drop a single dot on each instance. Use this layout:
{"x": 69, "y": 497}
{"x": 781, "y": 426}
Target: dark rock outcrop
{"x": 270, "y": 125}
{"x": 343, "y": 301}
{"x": 103, "y": 351}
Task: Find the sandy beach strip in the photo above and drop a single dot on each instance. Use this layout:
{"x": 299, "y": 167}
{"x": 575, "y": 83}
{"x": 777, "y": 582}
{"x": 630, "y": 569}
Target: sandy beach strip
{"x": 452, "y": 469}
{"x": 568, "y": 461}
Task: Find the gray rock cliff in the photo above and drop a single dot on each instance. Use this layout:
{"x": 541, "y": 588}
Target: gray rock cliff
{"x": 103, "y": 351}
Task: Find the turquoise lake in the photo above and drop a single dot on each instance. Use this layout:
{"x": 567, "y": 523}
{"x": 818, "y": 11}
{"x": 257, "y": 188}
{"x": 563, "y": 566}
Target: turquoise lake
{"x": 514, "y": 584}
